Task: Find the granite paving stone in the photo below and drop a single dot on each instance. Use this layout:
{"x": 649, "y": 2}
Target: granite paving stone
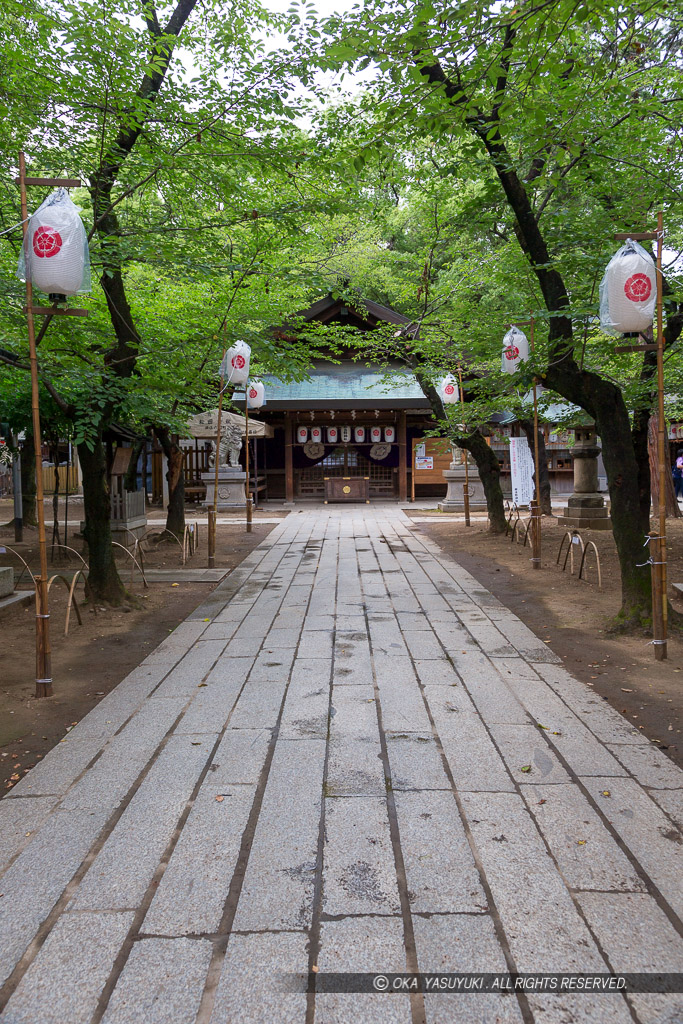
{"x": 20, "y": 820}
{"x": 162, "y": 982}
{"x": 362, "y": 944}
{"x": 263, "y": 979}
{"x": 463, "y": 943}
{"x": 647, "y": 832}
{"x": 124, "y": 867}
{"x": 585, "y": 852}
{"x": 638, "y": 938}
{"x": 65, "y": 980}
{"x": 441, "y": 875}
{"x": 358, "y": 875}
{"x": 415, "y": 761}
{"x": 278, "y": 885}
{"x": 191, "y": 894}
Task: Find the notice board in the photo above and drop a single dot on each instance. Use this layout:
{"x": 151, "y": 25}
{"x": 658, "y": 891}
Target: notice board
{"x": 431, "y": 455}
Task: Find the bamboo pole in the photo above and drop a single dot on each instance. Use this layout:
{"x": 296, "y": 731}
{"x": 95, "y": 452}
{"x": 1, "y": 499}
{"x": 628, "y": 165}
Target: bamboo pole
{"x": 213, "y": 512}
{"x": 246, "y": 457}
{"x": 466, "y": 485}
{"x": 536, "y": 511}
{"x": 43, "y": 653}
{"x": 658, "y": 552}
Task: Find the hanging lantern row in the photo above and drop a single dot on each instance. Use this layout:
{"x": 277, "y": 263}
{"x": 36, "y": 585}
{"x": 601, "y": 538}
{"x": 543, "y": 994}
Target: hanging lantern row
{"x": 628, "y": 291}
{"x": 55, "y": 256}
{"x": 235, "y": 365}
{"x": 334, "y": 435}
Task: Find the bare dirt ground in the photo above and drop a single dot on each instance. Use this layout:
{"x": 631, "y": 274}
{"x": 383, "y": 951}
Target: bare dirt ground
{"x": 575, "y": 617}
{"x": 96, "y": 656}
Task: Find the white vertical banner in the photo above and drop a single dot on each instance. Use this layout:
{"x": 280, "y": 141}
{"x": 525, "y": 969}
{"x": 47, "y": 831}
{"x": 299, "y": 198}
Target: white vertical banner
{"x": 522, "y": 469}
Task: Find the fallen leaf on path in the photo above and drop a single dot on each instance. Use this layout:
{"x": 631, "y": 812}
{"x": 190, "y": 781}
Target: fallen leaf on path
{"x": 220, "y": 799}
{"x": 580, "y": 842}
{"x": 606, "y": 792}
{"x": 525, "y": 768}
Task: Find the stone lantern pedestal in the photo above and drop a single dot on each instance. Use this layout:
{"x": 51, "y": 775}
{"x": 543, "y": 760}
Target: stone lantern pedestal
{"x": 231, "y": 488}
{"x": 455, "y": 478}
{"x": 585, "y": 508}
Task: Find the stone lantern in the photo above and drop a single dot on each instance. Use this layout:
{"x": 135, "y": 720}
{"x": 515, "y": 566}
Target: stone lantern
{"x": 455, "y": 479}
{"x": 586, "y": 506}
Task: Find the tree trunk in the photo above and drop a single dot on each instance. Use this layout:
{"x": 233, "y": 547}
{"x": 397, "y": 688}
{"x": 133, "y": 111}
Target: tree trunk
{"x": 103, "y": 578}
{"x": 485, "y": 458}
{"x": 175, "y": 515}
{"x": 28, "y": 481}
{"x": 130, "y": 481}
{"x": 488, "y": 467}
{"x": 528, "y": 428}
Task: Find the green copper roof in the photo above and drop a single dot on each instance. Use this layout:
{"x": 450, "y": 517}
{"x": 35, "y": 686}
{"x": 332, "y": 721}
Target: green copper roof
{"x": 343, "y": 386}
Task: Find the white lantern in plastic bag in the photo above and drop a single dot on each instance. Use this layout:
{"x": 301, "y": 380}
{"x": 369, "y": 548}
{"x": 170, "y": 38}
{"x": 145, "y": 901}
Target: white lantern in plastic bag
{"x": 256, "y": 394}
{"x": 55, "y": 256}
{"x": 359, "y": 435}
{"x": 316, "y": 434}
{"x": 346, "y": 434}
{"x": 235, "y": 367}
{"x": 302, "y": 434}
{"x": 628, "y": 291}
{"x": 375, "y": 434}
{"x": 448, "y": 389}
{"x": 515, "y": 350}
{"x": 332, "y": 435}
{"x": 390, "y": 434}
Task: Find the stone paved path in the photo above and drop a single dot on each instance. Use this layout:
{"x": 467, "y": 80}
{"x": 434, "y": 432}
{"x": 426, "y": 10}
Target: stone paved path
{"x": 351, "y": 756}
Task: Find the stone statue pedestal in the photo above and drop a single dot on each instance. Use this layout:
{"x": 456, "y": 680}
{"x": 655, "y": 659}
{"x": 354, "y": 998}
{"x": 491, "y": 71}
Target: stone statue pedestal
{"x": 586, "y": 507}
{"x": 455, "y": 478}
{"x": 231, "y": 488}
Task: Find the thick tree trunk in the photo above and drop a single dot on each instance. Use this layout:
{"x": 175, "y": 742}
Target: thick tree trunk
{"x": 528, "y": 428}
{"x": 28, "y": 481}
{"x": 175, "y": 515}
{"x": 103, "y": 578}
{"x": 488, "y": 467}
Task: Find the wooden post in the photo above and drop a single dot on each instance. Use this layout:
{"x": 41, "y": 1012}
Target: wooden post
{"x": 289, "y": 459}
{"x": 466, "y": 485}
{"x": 43, "y": 654}
{"x": 658, "y": 548}
{"x": 402, "y": 456}
{"x": 214, "y": 511}
{"x": 246, "y": 456}
{"x": 536, "y": 511}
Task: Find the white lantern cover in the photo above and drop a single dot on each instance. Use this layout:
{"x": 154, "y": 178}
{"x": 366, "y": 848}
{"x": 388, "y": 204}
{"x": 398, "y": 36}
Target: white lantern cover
{"x": 302, "y": 434}
{"x": 256, "y": 394}
{"x": 515, "y": 350}
{"x": 316, "y": 434}
{"x": 55, "y": 256}
{"x": 235, "y": 368}
{"x": 332, "y": 435}
{"x": 375, "y": 434}
{"x": 390, "y": 434}
{"x": 359, "y": 435}
{"x": 346, "y": 434}
{"x": 448, "y": 389}
{"x": 628, "y": 291}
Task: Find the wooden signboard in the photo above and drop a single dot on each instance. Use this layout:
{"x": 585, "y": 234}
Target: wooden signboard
{"x": 431, "y": 455}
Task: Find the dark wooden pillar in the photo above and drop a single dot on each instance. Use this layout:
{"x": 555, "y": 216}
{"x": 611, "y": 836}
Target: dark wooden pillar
{"x": 402, "y": 457}
{"x": 289, "y": 459}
